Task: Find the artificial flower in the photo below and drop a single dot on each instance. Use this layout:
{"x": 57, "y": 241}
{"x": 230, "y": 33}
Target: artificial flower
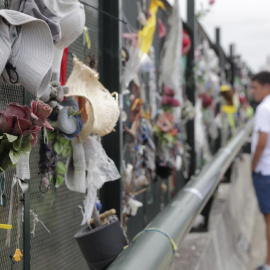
{"x": 18, "y": 111}
{"x": 40, "y": 112}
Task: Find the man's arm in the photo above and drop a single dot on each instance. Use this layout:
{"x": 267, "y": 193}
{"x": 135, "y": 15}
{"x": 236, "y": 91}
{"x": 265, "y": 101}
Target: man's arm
{"x": 262, "y": 141}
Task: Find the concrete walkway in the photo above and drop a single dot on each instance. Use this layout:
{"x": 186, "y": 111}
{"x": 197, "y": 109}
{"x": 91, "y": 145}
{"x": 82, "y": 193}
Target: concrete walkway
{"x": 236, "y": 238}
{"x": 258, "y": 248}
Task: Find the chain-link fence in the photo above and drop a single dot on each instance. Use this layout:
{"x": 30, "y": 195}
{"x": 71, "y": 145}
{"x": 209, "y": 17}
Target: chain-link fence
{"x": 57, "y": 209}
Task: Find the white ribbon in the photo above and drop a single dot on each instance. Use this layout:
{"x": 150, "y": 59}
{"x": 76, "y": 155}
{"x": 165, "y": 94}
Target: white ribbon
{"x": 24, "y": 187}
{"x": 22, "y": 167}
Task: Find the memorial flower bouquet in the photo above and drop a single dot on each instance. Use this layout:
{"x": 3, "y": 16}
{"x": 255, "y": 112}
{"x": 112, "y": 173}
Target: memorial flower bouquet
{"x": 19, "y": 126}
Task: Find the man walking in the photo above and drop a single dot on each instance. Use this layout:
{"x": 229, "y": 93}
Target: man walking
{"x": 261, "y": 151}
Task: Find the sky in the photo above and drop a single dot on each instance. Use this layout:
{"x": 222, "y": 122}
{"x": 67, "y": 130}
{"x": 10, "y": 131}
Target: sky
{"x": 246, "y": 23}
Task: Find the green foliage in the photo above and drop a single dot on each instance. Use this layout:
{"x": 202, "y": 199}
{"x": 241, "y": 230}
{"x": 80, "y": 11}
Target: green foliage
{"x": 62, "y": 147}
{"x": 11, "y": 148}
{"x": 66, "y": 151}
{"x": 51, "y": 135}
{"x": 11, "y": 138}
{"x": 59, "y": 180}
{"x": 58, "y": 147}
{"x": 60, "y": 168}
{"x": 26, "y": 146}
{"x": 14, "y": 157}
{"x": 18, "y": 143}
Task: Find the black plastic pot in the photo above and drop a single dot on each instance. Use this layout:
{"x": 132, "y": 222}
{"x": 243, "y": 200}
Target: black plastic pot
{"x": 163, "y": 169}
{"x": 101, "y": 246}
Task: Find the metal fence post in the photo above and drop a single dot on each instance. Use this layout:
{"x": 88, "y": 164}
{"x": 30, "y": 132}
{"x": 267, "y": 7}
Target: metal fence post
{"x": 232, "y": 54}
{"x": 26, "y": 229}
{"x": 110, "y": 71}
{"x": 221, "y": 56}
{"x": 26, "y": 221}
{"x": 190, "y": 85}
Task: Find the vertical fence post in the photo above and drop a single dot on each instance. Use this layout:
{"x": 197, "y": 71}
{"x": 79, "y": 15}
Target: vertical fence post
{"x": 26, "y": 214}
{"x": 190, "y": 87}
{"x": 220, "y": 56}
{"x": 26, "y": 229}
{"x": 110, "y": 71}
{"x": 232, "y": 54}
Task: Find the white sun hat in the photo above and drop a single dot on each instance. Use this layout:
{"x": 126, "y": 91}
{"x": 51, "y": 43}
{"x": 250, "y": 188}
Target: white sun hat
{"x": 5, "y": 44}
{"x": 39, "y": 10}
{"x": 29, "y": 52}
{"x": 71, "y": 17}
{"x": 100, "y": 108}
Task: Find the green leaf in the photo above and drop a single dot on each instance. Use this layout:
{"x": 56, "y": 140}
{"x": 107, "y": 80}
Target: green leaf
{"x": 51, "y": 135}
{"x": 29, "y": 137}
{"x": 26, "y": 146}
{"x": 156, "y": 129}
{"x": 168, "y": 136}
{"x": 5, "y": 143}
{"x": 14, "y": 157}
{"x": 11, "y": 138}
{"x": 59, "y": 181}
{"x": 60, "y": 168}
{"x": 18, "y": 143}
{"x": 12, "y": 165}
{"x": 66, "y": 151}
{"x": 2, "y": 149}
{"x": 58, "y": 147}
{"x": 51, "y": 179}
{"x": 6, "y": 162}
{"x": 67, "y": 142}
{"x": 61, "y": 139}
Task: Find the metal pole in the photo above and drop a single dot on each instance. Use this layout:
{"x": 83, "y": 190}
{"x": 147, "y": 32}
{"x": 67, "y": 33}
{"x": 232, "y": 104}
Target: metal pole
{"x": 221, "y": 56}
{"x": 110, "y": 71}
{"x": 232, "y": 50}
{"x": 26, "y": 229}
{"x": 190, "y": 85}
{"x": 152, "y": 250}
{"x": 26, "y": 217}
{"x": 218, "y": 39}
{"x": 232, "y": 56}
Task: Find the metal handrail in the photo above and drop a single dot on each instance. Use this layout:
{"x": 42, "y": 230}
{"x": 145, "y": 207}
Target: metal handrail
{"x": 152, "y": 250}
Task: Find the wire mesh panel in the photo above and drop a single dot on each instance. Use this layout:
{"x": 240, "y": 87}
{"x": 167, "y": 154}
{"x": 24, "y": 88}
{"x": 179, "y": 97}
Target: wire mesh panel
{"x": 153, "y": 198}
{"x": 78, "y": 47}
{"x": 52, "y": 244}
{"x": 9, "y": 94}
{"x": 59, "y": 211}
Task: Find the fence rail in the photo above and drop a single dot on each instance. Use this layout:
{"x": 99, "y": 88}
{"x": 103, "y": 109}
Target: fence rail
{"x": 152, "y": 249}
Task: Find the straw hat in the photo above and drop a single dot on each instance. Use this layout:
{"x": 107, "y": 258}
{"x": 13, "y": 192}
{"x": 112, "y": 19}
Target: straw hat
{"x": 100, "y": 109}
{"x": 29, "y": 53}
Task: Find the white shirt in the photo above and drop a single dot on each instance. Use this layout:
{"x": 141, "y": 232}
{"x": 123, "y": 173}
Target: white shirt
{"x": 262, "y": 123}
